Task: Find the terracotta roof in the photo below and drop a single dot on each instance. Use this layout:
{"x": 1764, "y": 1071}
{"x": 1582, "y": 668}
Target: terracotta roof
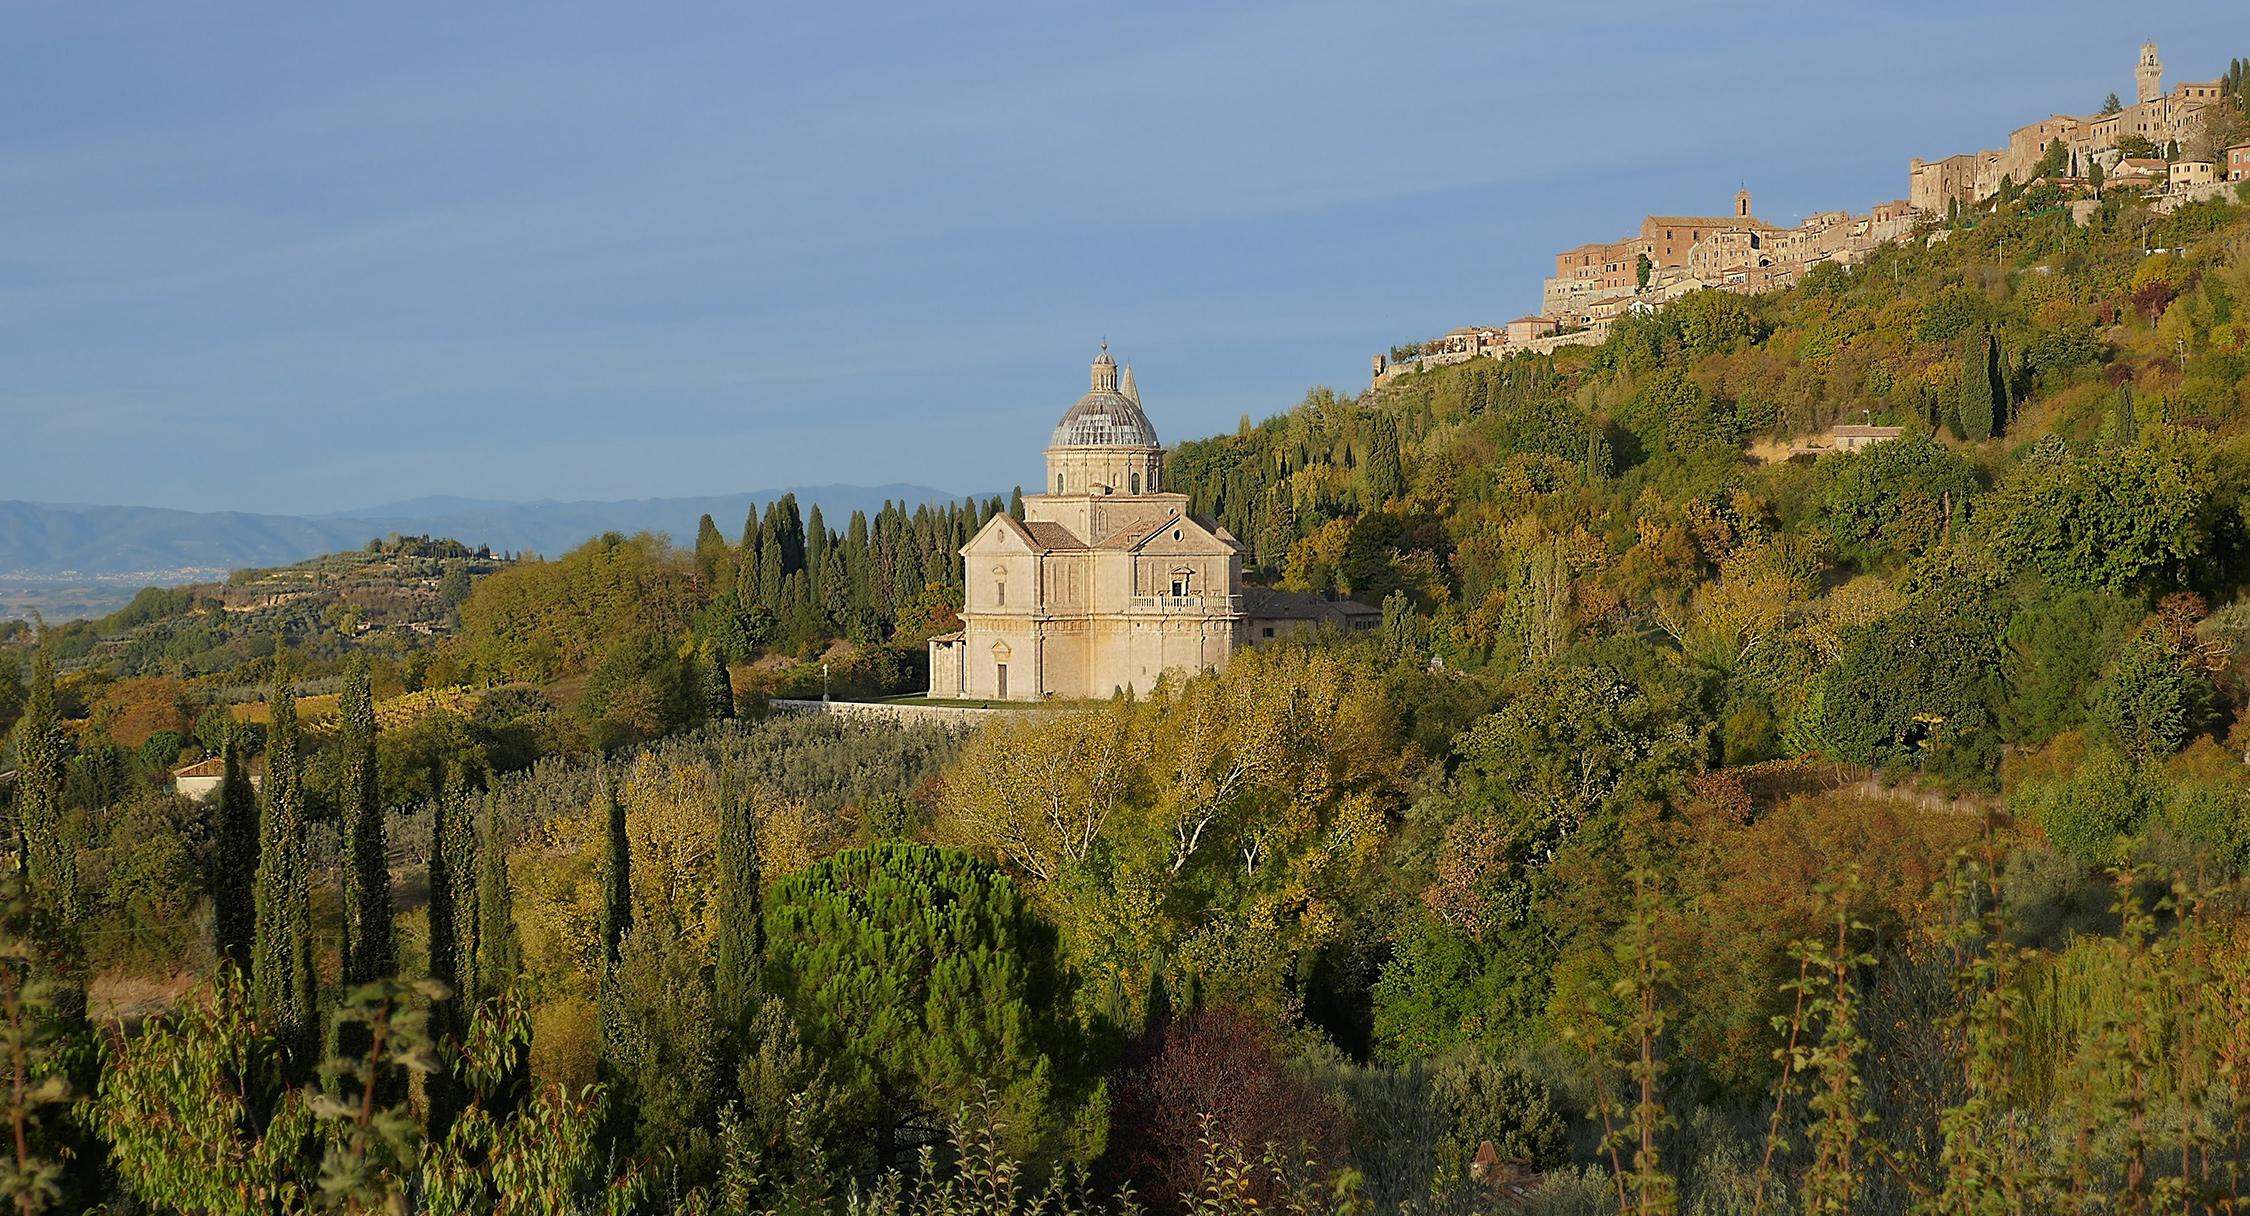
{"x": 1861, "y": 431}
{"x": 1272, "y": 603}
{"x": 215, "y": 766}
{"x": 1052, "y": 536}
{"x": 1709, "y": 221}
{"x": 1126, "y": 538}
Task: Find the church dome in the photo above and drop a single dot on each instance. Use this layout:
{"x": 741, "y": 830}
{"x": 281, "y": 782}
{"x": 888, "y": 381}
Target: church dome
{"x": 1109, "y": 416}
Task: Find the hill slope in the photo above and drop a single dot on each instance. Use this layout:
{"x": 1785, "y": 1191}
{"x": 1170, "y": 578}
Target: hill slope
{"x": 44, "y": 540}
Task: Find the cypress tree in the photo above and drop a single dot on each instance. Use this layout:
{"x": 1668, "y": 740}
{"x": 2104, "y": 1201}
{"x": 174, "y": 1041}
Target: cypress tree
{"x": 1386, "y": 476}
{"x": 499, "y": 958}
{"x": 710, "y": 556}
{"x": 453, "y": 914}
{"x": 44, "y": 850}
{"x": 770, "y": 576}
{"x": 234, "y": 915}
{"x": 1015, "y": 496}
{"x": 741, "y": 929}
{"x": 452, "y": 932}
{"x": 2125, "y": 429}
{"x": 281, "y": 974}
{"x": 616, "y": 919}
{"x": 1977, "y": 405}
{"x": 368, "y": 951}
{"x": 718, "y": 686}
{"x": 817, "y": 545}
{"x": 617, "y": 876}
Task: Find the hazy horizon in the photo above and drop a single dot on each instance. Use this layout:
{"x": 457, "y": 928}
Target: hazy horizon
{"x": 297, "y": 261}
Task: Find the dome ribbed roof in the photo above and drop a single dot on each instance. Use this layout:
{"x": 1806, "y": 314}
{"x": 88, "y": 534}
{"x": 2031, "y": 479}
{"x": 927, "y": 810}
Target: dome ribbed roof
{"x": 1107, "y": 417}
{"x": 1105, "y": 420}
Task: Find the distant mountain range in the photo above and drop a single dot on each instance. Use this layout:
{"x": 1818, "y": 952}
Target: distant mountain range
{"x": 44, "y": 542}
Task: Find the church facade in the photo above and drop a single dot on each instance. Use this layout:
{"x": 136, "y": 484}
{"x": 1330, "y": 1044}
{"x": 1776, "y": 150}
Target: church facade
{"x": 1106, "y": 582}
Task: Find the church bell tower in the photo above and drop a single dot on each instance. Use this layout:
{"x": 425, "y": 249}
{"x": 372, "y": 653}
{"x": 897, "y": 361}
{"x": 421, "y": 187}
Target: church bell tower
{"x": 2149, "y": 75}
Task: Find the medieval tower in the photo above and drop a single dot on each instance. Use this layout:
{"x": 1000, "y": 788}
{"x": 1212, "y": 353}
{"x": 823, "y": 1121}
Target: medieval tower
{"x": 2149, "y": 74}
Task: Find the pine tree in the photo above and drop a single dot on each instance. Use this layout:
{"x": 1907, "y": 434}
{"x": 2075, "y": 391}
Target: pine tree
{"x": 499, "y": 957}
{"x": 46, "y": 851}
{"x": 368, "y": 951}
{"x": 281, "y": 973}
{"x": 741, "y": 929}
{"x": 234, "y": 916}
{"x": 1977, "y": 404}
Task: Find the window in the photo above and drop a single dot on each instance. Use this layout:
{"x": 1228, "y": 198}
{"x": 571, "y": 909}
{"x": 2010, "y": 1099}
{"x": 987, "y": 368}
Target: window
{"x": 1000, "y": 681}
{"x": 1058, "y": 483}
{"x": 1000, "y": 593}
{"x": 1136, "y": 483}
{"x": 1269, "y": 631}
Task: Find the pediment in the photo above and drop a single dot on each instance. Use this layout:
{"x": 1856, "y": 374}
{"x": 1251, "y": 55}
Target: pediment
{"x": 1001, "y": 534}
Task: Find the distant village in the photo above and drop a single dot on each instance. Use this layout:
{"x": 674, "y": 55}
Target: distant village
{"x": 1673, "y": 255}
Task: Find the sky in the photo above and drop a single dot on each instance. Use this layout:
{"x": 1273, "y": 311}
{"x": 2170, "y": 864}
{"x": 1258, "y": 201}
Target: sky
{"x": 306, "y": 258}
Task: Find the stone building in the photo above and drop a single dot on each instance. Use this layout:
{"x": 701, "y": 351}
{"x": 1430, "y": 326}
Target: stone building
{"x": 2155, "y": 115}
{"x": 1107, "y": 581}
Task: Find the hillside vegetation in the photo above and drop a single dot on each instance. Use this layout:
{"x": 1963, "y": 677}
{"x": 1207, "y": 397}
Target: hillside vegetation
{"x": 1846, "y": 833}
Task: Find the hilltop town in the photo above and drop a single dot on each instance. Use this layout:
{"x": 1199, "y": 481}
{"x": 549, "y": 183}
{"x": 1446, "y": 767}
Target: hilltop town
{"x": 2178, "y": 146}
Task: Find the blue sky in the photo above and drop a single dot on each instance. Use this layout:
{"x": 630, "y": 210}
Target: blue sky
{"x": 294, "y": 258}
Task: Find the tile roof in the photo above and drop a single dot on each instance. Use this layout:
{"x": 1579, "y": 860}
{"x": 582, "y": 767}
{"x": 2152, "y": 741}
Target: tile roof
{"x": 1272, "y": 603}
{"x": 1053, "y": 536}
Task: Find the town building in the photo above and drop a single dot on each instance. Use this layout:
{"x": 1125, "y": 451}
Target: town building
{"x": 2186, "y": 173}
{"x": 202, "y": 779}
{"x": 2159, "y": 117}
{"x": 2238, "y": 163}
{"x": 1673, "y": 255}
{"x": 1107, "y": 582}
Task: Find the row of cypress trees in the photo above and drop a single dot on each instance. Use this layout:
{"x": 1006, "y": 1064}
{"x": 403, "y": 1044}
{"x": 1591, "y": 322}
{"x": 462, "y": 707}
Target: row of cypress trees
{"x": 261, "y": 885}
{"x": 792, "y": 580}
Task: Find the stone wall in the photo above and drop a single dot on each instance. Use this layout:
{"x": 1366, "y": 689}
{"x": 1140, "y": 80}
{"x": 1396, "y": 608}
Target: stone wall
{"x": 884, "y": 711}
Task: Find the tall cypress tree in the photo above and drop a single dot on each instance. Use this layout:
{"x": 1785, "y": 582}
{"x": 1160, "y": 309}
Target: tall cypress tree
{"x": 281, "y": 974}
{"x": 368, "y": 950}
{"x": 234, "y": 913}
{"x": 616, "y": 922}
{"x": 453, "y": 927}
{"x": 499, "y": 957}
{"x": 718, "y": 686}
{"x": 616, "y": 877}
{"x": 711, "y": 557}
{"x": 741, "y": 929}
{"x": 1977, "y": 404}
{"x": 453, "y": 915}
{"x": 45, "y": 850}
{"x": 1386, "y": 474}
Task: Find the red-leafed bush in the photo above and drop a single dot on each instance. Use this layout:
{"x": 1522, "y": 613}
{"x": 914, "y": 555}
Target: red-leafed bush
{"x": 1222, "y": 1063}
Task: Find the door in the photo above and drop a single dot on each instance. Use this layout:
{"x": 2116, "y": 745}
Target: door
{"x": 1000, "y": 681}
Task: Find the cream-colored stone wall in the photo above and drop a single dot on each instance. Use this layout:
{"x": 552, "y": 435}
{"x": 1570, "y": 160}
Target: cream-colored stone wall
{"x": 1091, "y": 470}
{"x": 1093, "y": 518}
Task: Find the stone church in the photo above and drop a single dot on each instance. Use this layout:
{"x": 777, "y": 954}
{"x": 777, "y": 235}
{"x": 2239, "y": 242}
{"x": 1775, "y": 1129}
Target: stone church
{"x": 1106, "y": 582}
